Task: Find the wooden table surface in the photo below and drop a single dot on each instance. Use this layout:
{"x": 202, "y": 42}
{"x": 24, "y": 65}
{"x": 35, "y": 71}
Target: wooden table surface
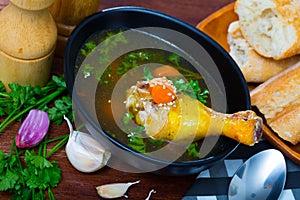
{"x": 76, "y": 185}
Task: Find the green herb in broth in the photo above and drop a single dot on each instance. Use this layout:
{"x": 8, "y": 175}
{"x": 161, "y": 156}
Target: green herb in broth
{"x": 89, "y": 47}
{"x": 131, "y": 61}
{"x": 148, "y": 74}
{"x": 176, "y": 60}
{"x": 193, "y": 150}
{"x": 110, "y": 39}
{"x": 128, "y": 117}
{"x": 134, "y": 135}
{"x": 196, "y": 92}
{"x": 108, "y": 44}
{"x": 137, "y": 144}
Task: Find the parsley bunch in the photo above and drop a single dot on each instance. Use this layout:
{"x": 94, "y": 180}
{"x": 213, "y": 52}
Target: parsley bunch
{"x": 25, "y": 173}
{"x": 34, "y": 179}
{"x": 21, "y": 99}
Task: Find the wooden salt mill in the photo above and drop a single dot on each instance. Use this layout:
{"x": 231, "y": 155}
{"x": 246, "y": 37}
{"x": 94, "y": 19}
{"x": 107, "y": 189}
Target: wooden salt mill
{"x": 28, "y": 38}
{"x": 67, "y": 14}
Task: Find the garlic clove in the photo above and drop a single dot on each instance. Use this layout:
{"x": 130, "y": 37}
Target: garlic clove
{"x": 114, "y": 190}
{"x": 84, "y": 156}
{"x": 84, "y": 152}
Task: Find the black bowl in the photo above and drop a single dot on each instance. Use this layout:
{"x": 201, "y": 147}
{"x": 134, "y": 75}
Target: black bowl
{"x": 217, "y": 62}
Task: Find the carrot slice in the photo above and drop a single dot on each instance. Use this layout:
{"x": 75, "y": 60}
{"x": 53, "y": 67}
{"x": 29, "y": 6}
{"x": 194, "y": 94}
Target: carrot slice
{"x": 162, "y": 94}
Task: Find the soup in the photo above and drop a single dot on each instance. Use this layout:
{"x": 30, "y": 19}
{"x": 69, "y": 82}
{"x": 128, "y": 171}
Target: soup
{"x": 126, "y": 70}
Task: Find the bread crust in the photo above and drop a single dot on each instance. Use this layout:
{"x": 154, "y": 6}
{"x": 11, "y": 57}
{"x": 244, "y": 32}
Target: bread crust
{"x": 272, "y": 27}
{"x": 255, "y": 68}
{"x": 278, "y": 99}
{"x": 286, "y": 123}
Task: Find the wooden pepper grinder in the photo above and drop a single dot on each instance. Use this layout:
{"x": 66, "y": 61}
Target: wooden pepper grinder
{"x": 67, "y": 14}
{"x": 28, "y": 38}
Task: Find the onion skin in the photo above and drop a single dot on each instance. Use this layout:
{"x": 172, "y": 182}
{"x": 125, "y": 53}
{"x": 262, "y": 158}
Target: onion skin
{"x": 33, "y": 129}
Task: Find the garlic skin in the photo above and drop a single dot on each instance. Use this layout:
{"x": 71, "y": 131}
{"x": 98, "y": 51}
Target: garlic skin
{"x": 114, "y": 190}
{"x": 84, "y": 152}
{"x": 150, "y": 193}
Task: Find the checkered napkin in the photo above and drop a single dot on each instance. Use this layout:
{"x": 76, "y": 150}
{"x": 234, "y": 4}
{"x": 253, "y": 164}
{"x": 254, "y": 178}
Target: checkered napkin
{"x": 213, "y": 183}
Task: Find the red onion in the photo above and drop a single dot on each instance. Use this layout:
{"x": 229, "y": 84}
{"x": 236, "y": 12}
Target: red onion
{"x": 33, "y": 129}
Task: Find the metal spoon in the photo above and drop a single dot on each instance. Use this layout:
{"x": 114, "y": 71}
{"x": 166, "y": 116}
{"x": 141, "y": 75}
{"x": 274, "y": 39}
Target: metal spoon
{"x": 261, "y": 177}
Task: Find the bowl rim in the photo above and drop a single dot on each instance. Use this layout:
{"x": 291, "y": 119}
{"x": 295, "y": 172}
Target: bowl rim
{"x": 67, "y": 71}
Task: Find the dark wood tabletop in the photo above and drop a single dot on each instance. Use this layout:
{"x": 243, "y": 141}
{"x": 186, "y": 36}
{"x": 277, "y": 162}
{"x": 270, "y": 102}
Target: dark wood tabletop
{"x": 77, "y": 185}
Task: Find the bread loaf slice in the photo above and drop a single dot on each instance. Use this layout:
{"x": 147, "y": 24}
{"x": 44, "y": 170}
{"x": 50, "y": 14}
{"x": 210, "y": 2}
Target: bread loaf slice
{"x": 255, "y": 68}
{"x": 272, "y": 27}
{"x": 286, "y": 123}
{"x": 278, "y": 99}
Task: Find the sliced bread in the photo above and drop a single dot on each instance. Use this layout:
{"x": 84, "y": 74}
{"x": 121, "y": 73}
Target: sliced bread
{"x": 272, "y": 27}
{"x": 278, "y": 99}
{"x": 255, "y": 68}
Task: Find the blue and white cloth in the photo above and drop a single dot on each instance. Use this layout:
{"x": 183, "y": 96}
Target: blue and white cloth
{"x": 213, "y": 183}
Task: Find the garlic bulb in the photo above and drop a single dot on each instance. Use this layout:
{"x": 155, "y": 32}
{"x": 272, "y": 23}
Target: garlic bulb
{"x": 84, "y": 152}
{"x": 114, "y": 190}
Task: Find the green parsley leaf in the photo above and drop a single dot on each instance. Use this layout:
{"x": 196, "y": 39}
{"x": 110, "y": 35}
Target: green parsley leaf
{"x": 193, "y": 150}
{"x": 42, "y": 178}
{"x": 58, "y": 81}
{"x": 148, "y": 75}
{"x": 175, "y": 59}
{"x": 137, "y": 144}
{"x": 2, "y": 112}
{"x": 132, "y": 60}
{"x": 10, "y": 173}
{"x": 40, "y": 173}
{"x": 2, "y": 87}
{"x": 127, "y": 118}
{"x": 61, "y": 107}
{"x": 89, "y": 47}
{"x": 8, "y": 180}
{"x": 36, "y": 161}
